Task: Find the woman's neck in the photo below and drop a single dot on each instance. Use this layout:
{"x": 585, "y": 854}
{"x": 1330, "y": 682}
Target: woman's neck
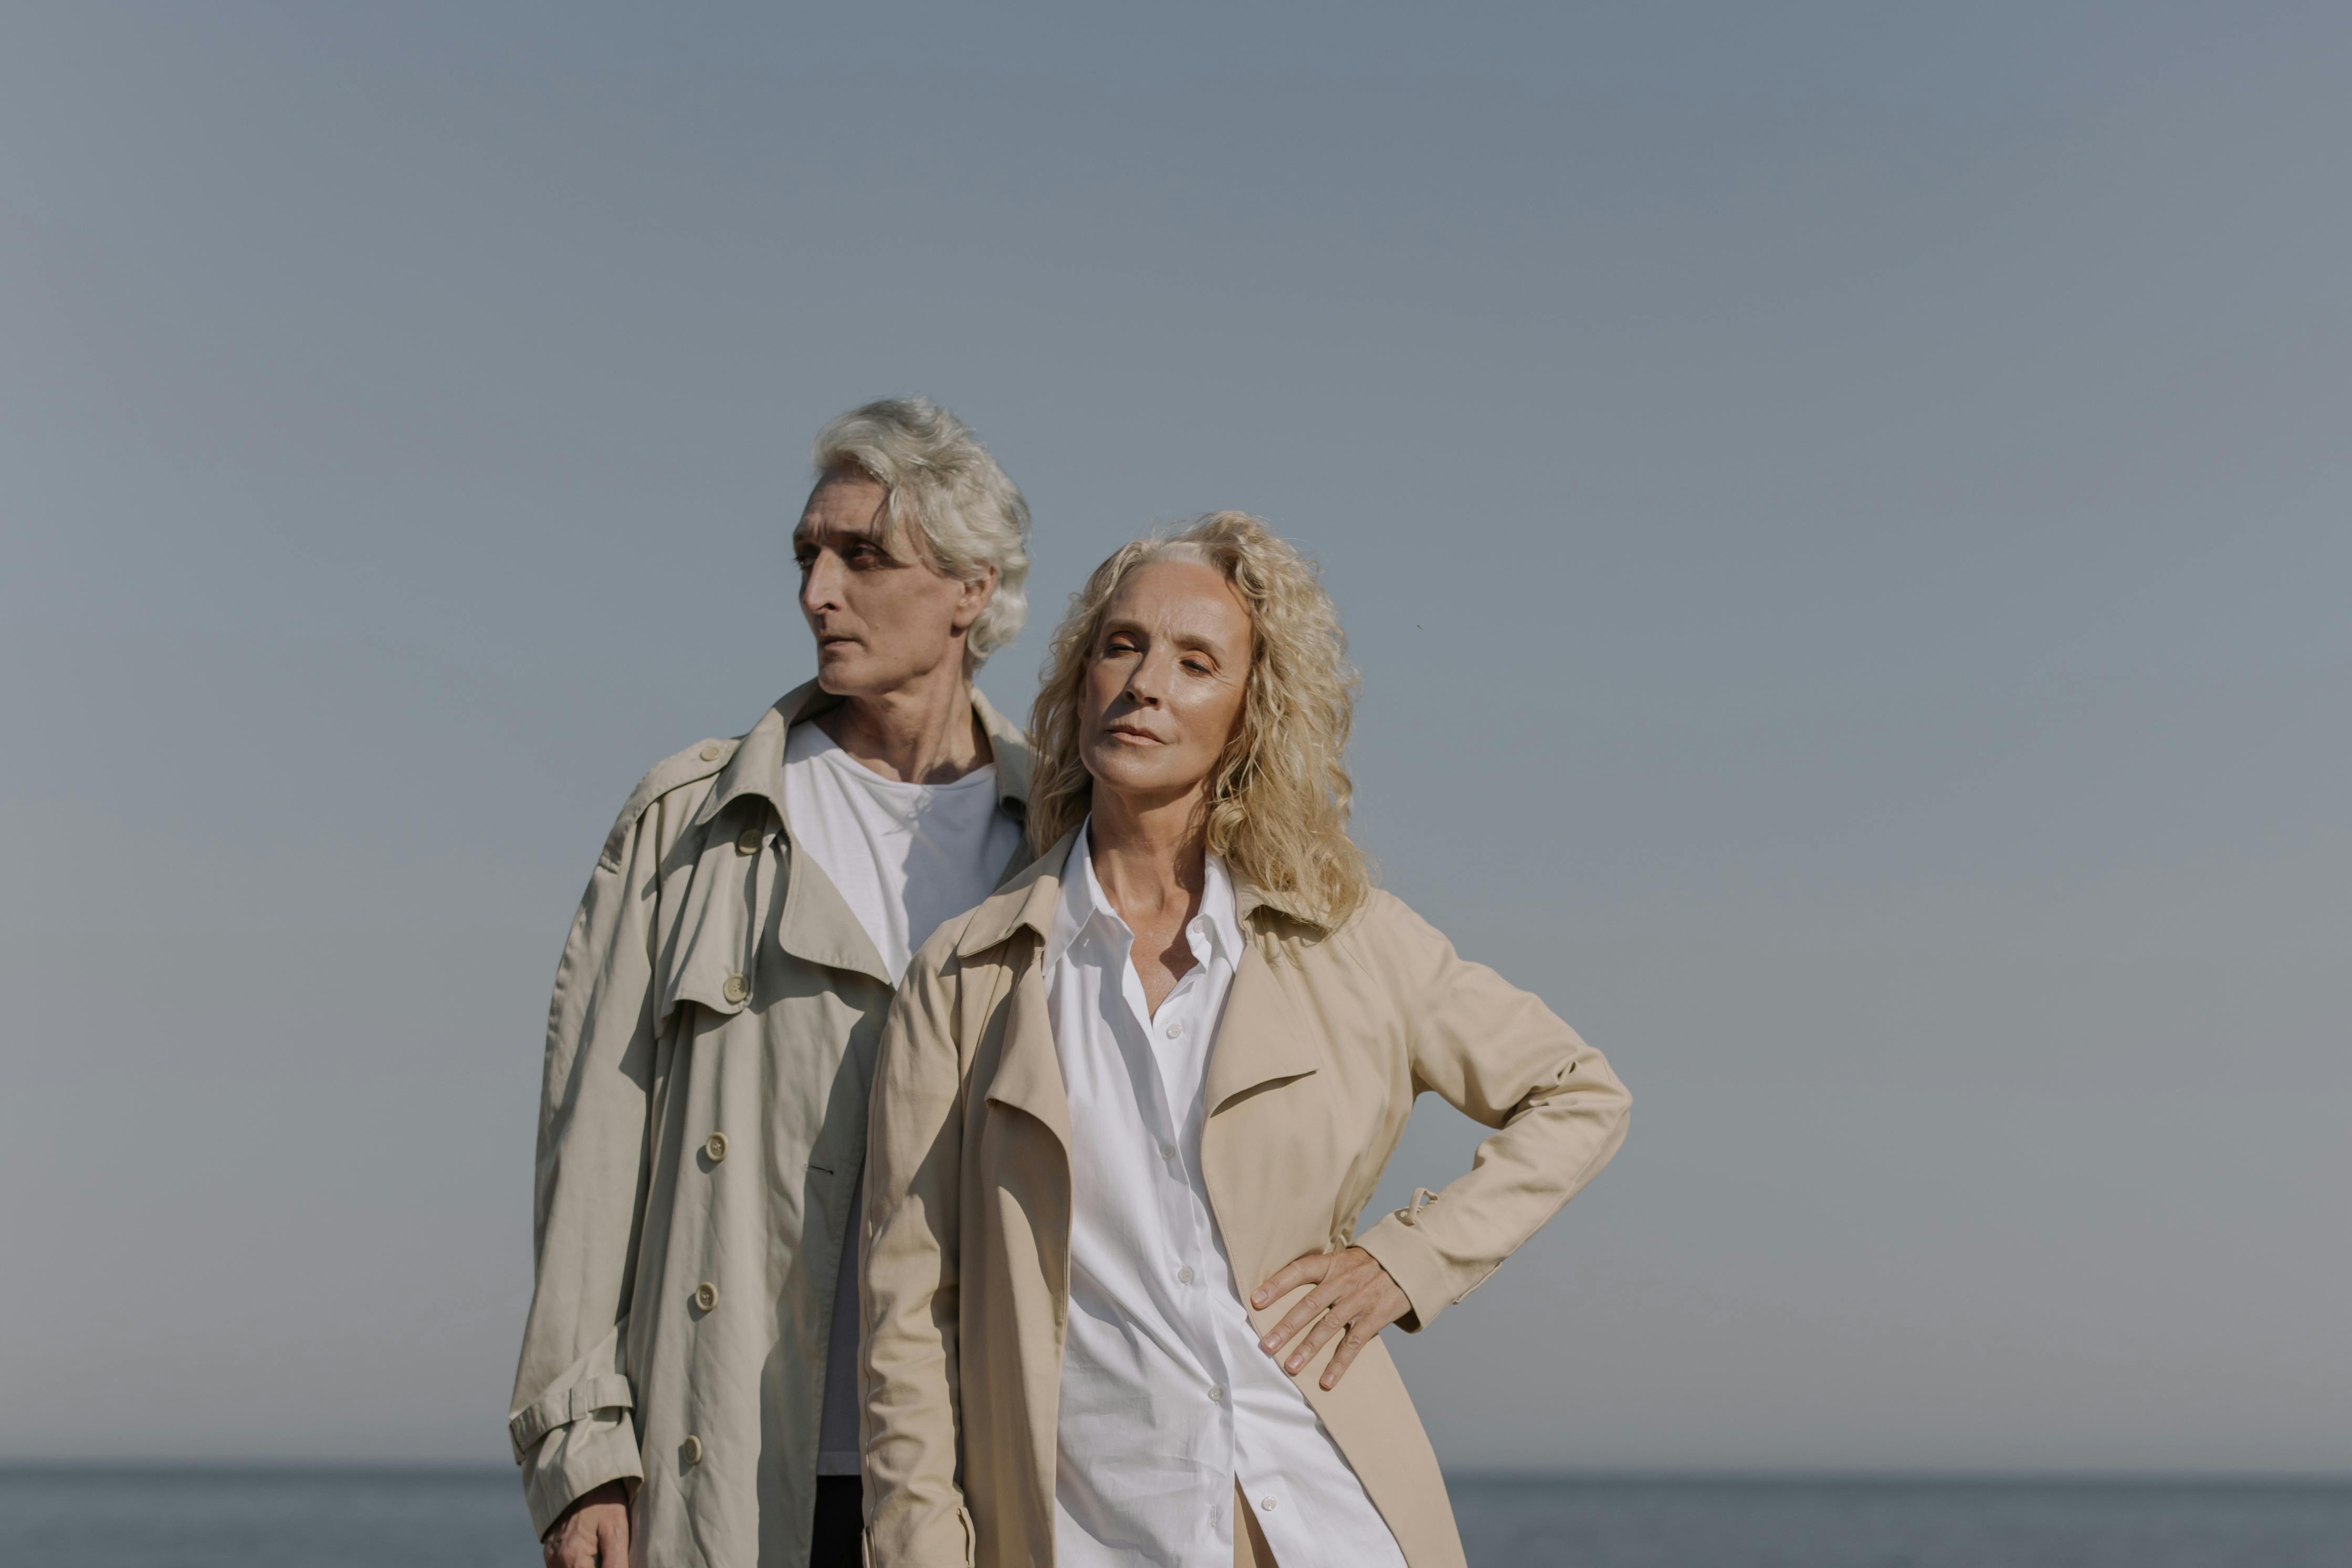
{"x": 1150, "y": 855}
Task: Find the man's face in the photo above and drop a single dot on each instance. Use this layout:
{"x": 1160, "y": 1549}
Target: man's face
{"x": 885, "y": 616}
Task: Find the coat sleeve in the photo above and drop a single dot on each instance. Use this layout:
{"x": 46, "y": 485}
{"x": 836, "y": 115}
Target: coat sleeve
{"x": 569, "y": 1421}
{"x": 1500, "y": 1055}
{"x": 915, "y": 1510}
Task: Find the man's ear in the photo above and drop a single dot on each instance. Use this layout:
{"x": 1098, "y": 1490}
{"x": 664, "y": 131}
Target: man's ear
{"x": 974, "y": 599}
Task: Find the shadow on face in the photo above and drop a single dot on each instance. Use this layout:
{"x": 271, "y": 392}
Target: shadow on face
{"x": 1166, "y": 681}
{"x": 884, "y": 614}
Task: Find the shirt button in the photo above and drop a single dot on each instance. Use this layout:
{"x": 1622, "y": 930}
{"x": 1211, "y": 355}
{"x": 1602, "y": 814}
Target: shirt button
{"x": 710, "y": 752}
{"x": 1174, "y": 1029}
{"x": 1265, "y": 1504}
{"x": 736, "y": 988}
{"x": 706, "y": 1295}
{"x": 715, "y": 1147}
{"x": 1167, "y": 1151}
{"x": 1216, "y": 1393}
{"x": 747, "y": 842}
{"x": 1184, "y": 1275}
{"x": 691, "y": 1450}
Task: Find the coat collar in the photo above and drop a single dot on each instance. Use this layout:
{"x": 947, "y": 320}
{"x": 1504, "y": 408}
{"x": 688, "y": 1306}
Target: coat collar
{"x": 1028, "y": 901}
{"x": 757, "y": 766}
{"x": 1259, "y": 1040}
{"x": 816, "y": 922}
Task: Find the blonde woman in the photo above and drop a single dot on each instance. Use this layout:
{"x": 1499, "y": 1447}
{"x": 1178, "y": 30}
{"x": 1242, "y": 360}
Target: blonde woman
{"x": 1127, "y": 1111}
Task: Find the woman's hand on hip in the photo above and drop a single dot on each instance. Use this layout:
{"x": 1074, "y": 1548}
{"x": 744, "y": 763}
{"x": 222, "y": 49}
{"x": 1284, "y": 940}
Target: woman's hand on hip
{"x": 1352, "y": 1293}
{"x": 594, "y": 1532}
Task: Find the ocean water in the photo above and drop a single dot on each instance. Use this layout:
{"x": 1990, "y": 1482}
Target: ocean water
{"x": 55, "y": 1517}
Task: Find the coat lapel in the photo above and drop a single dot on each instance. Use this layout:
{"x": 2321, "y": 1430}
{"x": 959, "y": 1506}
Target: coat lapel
{"x": 1261, "y": 1040}
{"x": 818, "y": 925}
{"x": 1028, "y": 1076}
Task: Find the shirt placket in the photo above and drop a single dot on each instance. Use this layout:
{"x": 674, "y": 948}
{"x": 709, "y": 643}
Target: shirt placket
{"x": 1186, "y": 1220}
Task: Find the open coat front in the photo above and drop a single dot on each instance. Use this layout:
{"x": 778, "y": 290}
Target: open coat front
{"x": 702, "y": 1124}
{"x": 1327, "y": 1036}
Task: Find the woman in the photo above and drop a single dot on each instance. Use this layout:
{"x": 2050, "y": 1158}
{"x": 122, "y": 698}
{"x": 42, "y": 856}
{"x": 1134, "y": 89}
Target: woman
{"x": 1127, "y": 1111}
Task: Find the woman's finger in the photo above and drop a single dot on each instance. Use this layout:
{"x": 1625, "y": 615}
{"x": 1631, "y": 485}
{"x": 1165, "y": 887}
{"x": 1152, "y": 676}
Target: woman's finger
{"x": 1299, "y": 1271}
{"x": 1310, "y": 1307}
{"x": 1341, "y": 1314}
{"x": 1345, "y": 1356}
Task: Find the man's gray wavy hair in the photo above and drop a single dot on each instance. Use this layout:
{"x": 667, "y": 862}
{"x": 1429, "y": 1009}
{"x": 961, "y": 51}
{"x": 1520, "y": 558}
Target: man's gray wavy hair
{"x": 946, "y": 490}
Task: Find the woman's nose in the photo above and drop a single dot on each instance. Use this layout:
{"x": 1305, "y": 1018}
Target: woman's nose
{"x": 1143, "y": 684}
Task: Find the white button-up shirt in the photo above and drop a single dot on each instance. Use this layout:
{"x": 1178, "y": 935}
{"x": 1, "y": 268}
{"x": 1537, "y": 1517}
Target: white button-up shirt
{"x": 1167, "y": 1400}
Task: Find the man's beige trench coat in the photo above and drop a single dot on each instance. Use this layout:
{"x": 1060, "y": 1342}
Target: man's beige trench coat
{"x": 702, "y": 1124}
{"x": 1327, "y": 1038}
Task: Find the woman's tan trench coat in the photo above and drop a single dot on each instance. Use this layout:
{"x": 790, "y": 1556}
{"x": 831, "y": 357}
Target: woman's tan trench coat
{"x": 1327, "y": 1038}
{"x": 702, "y": 1125}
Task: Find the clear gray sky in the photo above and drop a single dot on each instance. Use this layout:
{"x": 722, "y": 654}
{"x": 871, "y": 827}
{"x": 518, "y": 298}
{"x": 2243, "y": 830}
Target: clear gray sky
{"x": 1844, "y": 513}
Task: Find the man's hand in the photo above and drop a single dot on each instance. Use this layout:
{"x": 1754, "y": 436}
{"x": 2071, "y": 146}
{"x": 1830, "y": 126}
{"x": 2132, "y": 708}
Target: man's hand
{"x": 594, "y": 1532}
{"x": 1351, "y": 1291}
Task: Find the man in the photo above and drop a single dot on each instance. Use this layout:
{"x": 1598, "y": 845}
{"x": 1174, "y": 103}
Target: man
{"x": 688, "y": 1389}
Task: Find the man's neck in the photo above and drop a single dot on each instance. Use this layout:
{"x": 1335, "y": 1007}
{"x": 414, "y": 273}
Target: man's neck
{"x": 924, "y": 732}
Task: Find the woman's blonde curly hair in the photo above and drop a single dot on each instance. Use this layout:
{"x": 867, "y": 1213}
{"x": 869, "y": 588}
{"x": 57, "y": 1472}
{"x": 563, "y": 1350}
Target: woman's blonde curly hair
{"x": 1278, "y": 802}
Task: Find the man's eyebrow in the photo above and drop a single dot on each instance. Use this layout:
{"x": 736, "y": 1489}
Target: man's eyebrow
{"x": 876, "y": 532}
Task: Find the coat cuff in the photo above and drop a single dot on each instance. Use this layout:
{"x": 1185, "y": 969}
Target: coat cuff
{"x": 1398, "y": 1245}
{"x": 572, "y": 1460}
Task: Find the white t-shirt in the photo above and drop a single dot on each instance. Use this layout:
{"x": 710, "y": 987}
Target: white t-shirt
{"x": 906, "y": 858}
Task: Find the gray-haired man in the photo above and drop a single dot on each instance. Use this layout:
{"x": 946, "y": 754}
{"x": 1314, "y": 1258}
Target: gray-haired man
{"x": 688, "y": 1386}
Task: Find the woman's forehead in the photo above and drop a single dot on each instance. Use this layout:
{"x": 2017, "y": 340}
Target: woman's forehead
{"x": 1166, "y": 587}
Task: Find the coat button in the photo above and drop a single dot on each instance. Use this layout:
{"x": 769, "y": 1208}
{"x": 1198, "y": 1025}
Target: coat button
{"x": 748, "y": 841}
{"x": 710, "y": 753}
{"x": 736, "y": 988}
{"x": 714, "y": 1148}
{"x": 691, "y": 1450}
{"x": 706, "y": 1295}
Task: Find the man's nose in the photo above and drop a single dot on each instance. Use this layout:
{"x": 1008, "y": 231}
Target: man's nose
{"x": 821, "y": 587}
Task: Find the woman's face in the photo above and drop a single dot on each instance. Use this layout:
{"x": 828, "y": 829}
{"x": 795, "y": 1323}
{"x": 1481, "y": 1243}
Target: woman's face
{"x": 1165, "y": 682}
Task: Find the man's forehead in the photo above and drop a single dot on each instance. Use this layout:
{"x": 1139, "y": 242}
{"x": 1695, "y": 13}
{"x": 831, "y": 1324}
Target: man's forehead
{"x": 840, "y": 511}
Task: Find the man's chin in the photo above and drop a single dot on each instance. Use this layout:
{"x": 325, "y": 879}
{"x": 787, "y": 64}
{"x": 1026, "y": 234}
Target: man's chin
{"x": 846, "y": 675}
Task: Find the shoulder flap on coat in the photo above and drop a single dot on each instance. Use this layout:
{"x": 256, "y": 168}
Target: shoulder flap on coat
{"x": 701, "y": 761}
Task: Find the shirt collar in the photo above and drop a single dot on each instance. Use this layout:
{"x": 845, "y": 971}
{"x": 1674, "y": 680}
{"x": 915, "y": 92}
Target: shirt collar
{"x": 1083, "y": 902}
{"x": 757, "y": 766}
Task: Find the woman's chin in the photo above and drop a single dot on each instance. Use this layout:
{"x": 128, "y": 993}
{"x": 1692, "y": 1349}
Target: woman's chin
{"x": 1135, "y": 779}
